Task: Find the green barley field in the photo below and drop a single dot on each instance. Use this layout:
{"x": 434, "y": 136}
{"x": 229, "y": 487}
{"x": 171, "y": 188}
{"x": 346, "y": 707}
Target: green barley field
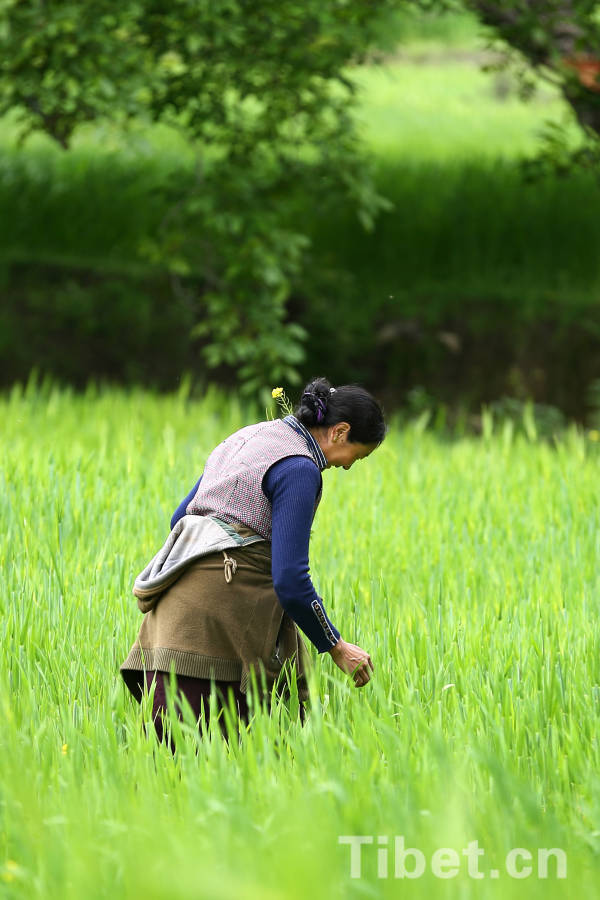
{"x": 469, "y": 570}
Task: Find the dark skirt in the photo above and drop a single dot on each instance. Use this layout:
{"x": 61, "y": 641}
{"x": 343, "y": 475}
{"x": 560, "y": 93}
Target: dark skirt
{"x": 197, "y": 693}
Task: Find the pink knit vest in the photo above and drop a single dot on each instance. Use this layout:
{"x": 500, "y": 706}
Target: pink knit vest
{"x": 231, "y": 486}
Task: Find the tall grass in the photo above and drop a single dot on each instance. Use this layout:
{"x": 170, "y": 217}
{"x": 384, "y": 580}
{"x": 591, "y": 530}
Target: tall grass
{"x": 433, "y": 107}
{"x": 99, "y": 202}
{"x": 468, "y": 570}
{"x": 426, "y": 124}
{"x": 415, "y": 27}
{"x": 462, "y": 232}
{"x": 465, "y": 232}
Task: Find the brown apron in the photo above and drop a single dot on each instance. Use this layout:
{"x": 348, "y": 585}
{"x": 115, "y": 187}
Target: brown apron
{"x": 221, "y": 619}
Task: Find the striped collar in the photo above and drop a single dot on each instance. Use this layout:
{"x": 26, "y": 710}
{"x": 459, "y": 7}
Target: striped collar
{"x": 313, "y": 446}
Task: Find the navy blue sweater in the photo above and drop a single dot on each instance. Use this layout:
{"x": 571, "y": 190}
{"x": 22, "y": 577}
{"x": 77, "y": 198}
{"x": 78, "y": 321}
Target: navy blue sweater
{"x": 292, "y": 485}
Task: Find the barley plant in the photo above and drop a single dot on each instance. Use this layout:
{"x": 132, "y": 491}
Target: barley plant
{"x": 467, "y": 568}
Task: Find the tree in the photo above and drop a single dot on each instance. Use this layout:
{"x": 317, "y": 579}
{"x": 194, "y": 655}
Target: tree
{"x": 559, "y": 40}
{"x": 259, "y": 87}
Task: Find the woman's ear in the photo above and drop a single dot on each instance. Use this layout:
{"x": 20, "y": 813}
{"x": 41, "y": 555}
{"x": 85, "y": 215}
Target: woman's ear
{"x": 341, "y": 430}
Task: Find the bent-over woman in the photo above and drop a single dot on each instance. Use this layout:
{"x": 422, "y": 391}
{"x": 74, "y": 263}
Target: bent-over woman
{"x": 230, "y": 588}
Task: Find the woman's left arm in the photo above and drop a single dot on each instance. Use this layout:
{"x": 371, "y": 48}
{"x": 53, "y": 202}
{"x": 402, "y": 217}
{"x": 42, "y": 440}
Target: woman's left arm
{"x": 292, "y": 485}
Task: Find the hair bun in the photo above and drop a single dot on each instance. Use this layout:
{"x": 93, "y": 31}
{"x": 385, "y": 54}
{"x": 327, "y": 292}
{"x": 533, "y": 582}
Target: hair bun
{"x": 314, "y": 401}
{"x": 319, "y": 388}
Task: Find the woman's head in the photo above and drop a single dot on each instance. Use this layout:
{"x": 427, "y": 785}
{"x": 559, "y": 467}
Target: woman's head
{"x": 346, "y": 416}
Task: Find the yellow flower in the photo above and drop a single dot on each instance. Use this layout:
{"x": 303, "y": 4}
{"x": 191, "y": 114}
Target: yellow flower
{"x": 277, "y": 392}
{"x": 64, "y": 748}
{"x": 594, "y": 435}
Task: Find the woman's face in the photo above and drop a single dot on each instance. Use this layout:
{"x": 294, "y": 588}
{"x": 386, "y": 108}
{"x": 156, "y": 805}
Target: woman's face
{"x": 339, "y": 451}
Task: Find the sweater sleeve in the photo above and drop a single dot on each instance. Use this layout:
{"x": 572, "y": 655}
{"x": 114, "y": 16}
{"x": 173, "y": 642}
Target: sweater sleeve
{"x": 292, "y": 485}
{"x": 180, "y": 511}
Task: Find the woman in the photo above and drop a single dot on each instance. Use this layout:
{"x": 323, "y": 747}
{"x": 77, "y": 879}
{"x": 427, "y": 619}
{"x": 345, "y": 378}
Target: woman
{"x": 224, "y": 597}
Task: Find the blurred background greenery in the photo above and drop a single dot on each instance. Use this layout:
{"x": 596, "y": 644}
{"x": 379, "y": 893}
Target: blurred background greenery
{"x": 424, "y": 240}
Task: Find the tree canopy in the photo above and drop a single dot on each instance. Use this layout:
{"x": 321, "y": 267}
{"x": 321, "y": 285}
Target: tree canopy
{"x": 559, "y": 41}
{"x": 558, "y": 38}
{"x": 261, "y": 90}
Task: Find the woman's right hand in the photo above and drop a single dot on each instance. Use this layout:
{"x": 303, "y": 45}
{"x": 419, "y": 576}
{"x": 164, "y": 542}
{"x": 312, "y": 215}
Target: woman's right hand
{"x": 353, "y": 661}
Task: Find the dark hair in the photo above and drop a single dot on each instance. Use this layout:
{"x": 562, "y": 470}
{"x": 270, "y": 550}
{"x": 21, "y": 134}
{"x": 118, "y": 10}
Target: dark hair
{"x": 322, "y": 406}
